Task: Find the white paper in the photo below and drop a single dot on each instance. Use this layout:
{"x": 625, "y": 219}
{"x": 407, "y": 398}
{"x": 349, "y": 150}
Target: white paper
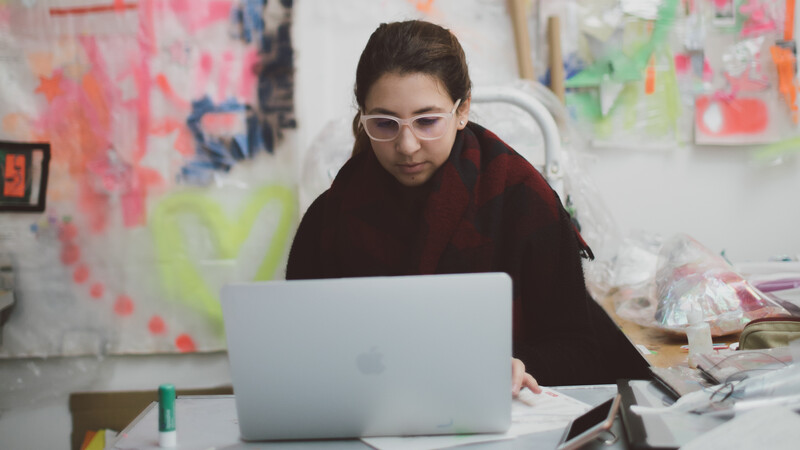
{"x": 530, "y": 413}
{"x": 774, "y": 428}
{"x": 431, "y": 442}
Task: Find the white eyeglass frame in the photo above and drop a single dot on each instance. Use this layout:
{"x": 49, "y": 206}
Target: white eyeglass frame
{"x": 407, "y": 122}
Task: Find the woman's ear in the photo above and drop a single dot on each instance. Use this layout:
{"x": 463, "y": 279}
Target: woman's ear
{"x": 462, "y": 114}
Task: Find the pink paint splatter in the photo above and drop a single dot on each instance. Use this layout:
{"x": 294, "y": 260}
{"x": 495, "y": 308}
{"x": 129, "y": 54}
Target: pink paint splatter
{"x": 96, "y": 291}
{"x": 224, "y": 73}
{"x": 70, "y": 254}
{"x": 708, "y": 72}
{"x": 248, "y": 77}
{"x": 166, "y": 88}
{"x": 123, "y": 306}
{"x": 5, "y": 15}
{"x": 81, "y": 274}
{"x": 185, "y": 343}
{"x": 67, "y": 232}
{"x": 203, "y": 74}
{"x": 184, "y": 142}
{"x": 156, "y": 325}
{"x": 194, "y": 18}
{"x": 682, "y": 62}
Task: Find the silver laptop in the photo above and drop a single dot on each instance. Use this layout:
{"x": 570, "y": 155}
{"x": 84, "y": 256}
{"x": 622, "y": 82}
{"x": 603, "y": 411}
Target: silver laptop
{"x": 377, "y": 356}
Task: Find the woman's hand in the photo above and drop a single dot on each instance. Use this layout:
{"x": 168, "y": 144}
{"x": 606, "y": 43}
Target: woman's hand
{"x": 521, "y": 379}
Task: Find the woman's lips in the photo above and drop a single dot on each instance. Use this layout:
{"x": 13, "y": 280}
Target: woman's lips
{"x": 411, "y": 168}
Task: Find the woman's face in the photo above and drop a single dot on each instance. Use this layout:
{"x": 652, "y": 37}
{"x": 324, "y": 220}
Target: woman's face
{"x": 412, "y": 161}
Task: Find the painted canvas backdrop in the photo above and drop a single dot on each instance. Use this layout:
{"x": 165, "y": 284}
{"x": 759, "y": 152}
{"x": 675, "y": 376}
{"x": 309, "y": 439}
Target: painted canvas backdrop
{"x": 166, "y": 116}
{"x": 171, "y": 125}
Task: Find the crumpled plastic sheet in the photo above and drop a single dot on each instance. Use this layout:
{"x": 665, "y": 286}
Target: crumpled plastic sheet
{"x": 29, "y": 381}
{"x": 687, "y": 275}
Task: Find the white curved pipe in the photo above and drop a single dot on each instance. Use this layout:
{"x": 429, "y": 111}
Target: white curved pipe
{"x": 537, "y": 110}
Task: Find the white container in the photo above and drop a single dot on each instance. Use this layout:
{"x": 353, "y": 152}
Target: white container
{"x": 699, "y": 335}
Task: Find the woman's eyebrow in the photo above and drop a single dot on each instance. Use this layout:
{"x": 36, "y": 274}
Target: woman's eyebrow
{"x": 392, "y": 113}
{"x": 381, "y": 111}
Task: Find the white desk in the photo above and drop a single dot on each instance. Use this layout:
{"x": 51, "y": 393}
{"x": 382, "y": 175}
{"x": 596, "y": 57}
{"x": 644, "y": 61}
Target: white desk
{"x": 211, "y": 423}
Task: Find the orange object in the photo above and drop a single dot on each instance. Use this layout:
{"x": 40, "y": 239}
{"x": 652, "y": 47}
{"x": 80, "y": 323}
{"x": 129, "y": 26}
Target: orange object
{"x": 650, "y": 76}
{"x": 116, "y": 6}
{"x": 787, "y": 85}
{"x": 14, "y": 176}
{"x": 50, "y": 87}
{"x": 87, "y": 439}
{"x": 735, "y": 116}
{"x": 788, "y": 25}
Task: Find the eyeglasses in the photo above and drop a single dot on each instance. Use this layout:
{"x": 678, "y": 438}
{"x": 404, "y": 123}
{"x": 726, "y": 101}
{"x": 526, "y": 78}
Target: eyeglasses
{"x": 426, "y": 127}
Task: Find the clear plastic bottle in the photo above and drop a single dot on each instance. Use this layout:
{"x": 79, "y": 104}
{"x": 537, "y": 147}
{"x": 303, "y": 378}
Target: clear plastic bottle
{"x": 699, "y": 335}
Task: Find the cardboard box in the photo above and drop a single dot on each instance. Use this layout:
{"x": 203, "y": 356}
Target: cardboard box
{"x": 92, "y": 411}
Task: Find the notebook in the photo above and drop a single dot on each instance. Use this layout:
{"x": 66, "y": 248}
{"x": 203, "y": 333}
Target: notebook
{"x": 373, "y": 356}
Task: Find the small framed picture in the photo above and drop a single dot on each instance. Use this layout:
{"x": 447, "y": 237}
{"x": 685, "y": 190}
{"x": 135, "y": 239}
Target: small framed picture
{"x": 24, "y": 168}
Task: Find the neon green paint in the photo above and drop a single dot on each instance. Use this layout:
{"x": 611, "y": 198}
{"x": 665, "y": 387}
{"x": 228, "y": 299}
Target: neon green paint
{"x": 179, "y": 274}
{"x": 622, "y": 67}
{"x": 777, "y": 150}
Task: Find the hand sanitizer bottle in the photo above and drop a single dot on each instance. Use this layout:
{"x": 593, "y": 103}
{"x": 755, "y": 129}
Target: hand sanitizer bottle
{"x": 699, "y": 335}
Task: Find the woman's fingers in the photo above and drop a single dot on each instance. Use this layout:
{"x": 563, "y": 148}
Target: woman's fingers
{"x": 517, "y": 375}
{"x": 530, "y": 383}
{"x": 521, "y": 379}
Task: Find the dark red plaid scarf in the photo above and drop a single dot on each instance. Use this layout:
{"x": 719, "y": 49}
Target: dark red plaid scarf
{"x": 474, "y": 215}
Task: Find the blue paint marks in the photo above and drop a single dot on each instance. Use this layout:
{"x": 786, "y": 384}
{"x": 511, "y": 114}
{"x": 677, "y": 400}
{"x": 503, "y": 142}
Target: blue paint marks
{"x": 261, "y": 123}
{"x": 219, "y": 150}
{"x": 248, "y": 16}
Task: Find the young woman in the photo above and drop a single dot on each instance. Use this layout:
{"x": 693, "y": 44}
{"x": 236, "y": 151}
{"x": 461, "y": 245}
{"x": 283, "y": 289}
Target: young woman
{"x": 426, "y": 192}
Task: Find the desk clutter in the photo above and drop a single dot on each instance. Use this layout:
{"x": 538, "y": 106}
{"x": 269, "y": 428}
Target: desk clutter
{"x": 659, "y": 282}
{"x": 211, "y": 422}
{"x": 748, "y": 372}
{"x": 686, "y": 407}
{"x": 717, "y": 417}
{"x": 649, "y": 417}
{"x": 724, "y": 397}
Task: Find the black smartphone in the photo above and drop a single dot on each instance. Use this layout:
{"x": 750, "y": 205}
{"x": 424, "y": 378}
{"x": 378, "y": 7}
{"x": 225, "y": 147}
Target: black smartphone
{"x": 591, "y": 425}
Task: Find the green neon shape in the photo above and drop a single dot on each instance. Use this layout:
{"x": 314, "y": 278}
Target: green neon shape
{"x": 665, "y": 99}
{"x": 180, "y": 276}
{"x": 621, "y": 67}
{"x": 777, "y": 150}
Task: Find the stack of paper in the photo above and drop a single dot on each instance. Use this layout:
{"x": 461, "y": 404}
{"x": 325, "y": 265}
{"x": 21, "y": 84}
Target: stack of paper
{"x": 530, "y": 413}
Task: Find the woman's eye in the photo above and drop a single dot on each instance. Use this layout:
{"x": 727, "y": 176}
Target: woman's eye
{"x": 385, "y": 123}
{"x": 427, "y": 121}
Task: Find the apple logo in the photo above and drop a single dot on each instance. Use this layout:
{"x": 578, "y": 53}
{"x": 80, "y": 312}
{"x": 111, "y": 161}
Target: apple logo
{"x": 370, "y": 363}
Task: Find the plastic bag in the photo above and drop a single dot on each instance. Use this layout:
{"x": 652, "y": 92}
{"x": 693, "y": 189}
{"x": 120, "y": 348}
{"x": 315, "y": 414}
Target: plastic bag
{"x": 688, "y": 276}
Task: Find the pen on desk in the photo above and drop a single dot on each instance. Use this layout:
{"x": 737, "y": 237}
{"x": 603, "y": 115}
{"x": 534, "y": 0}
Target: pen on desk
{"x": 778, "y": 285}
{"x": 167, "y": 436}
{"x": 716, "y": 346}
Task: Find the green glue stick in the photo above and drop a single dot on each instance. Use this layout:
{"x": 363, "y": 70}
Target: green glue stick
{"x": 167, "y": 436}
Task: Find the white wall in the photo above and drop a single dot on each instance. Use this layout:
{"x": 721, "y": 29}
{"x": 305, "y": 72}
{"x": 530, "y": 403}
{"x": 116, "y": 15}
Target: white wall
{"x": 718, "y": 195}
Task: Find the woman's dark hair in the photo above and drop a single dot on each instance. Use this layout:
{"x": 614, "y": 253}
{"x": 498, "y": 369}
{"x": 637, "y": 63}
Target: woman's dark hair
{"x": 409, "y": 47}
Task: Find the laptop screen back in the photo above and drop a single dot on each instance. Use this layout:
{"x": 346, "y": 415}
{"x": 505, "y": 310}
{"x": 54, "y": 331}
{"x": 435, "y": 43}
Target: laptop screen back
{"x": 377, "y": 356}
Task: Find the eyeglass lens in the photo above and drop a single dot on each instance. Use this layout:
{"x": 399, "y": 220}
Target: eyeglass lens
{"x": 425, "y": 127}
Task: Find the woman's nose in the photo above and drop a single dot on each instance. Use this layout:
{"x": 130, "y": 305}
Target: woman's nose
{"x": 407, "y": 142}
